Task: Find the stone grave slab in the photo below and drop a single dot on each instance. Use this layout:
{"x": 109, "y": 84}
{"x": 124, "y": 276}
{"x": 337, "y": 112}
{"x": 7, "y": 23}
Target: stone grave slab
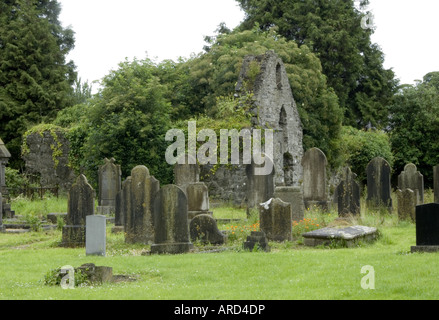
{"x": 349, "y": 235}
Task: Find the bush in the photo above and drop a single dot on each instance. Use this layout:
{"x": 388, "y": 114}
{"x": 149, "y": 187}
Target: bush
{"x": 359, "y": 147}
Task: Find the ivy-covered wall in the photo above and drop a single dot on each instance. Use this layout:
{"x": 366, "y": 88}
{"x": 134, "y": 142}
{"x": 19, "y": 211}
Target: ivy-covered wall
{"x": 45, "y": 151}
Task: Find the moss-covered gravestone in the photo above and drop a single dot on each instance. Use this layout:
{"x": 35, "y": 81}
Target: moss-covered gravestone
{"x": 275, "y": 218}
{"x": 81, "y": 202}
{"x": 348, "y": 195}
{"x": 412, "y": 179}
{"x": 315, "y": 193}
{"x": 109, "y": 185}
{"x": 378, "y": 184}
{"x": 171, "y": 221}
{"x": 138, "y": 195}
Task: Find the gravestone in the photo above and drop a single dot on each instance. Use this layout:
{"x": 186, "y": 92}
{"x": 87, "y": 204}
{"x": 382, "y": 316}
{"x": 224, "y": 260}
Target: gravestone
{"x": 294, "y": 196}
{"x": 407, "y": 201}
{"x": 427, "y": 228}
{"x": 260, "y": 187}
{"x": 137, "y": 202}
{"x": 118, "y": 214}
{"x": 314, "y": 164}
{"x": 204, "y": 228}
{"x": 436, "y": 183}
{"x": 2, "y": 228}
{"x": 95, "y": 235}
{"x": 187, "y": 173}
{"x": 81, "y": 202}
{"x": 378, "y": 184}
{"x": 171, "y": 221}
{"x": 412, "y": 179}
{"x": 5, "y": 205}
{"x": 275, "y": 220}
{"x": 198, "y": 199}
{"x": 257, "y": 238}
{"x": 109, "y": 185}
{"x": 348, "y": 195}
{"x": 347, "y": 237}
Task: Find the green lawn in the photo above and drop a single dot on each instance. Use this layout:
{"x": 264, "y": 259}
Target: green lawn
{"x": 290, "y": 271}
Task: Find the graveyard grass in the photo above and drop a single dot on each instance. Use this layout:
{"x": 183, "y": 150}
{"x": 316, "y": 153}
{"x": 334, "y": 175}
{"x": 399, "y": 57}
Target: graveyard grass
{"x": 290, "y": 271}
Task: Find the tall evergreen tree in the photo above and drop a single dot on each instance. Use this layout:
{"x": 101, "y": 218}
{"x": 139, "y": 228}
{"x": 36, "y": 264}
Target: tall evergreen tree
{"x": 332, "y": 28}
{"x": 35, "y": 79}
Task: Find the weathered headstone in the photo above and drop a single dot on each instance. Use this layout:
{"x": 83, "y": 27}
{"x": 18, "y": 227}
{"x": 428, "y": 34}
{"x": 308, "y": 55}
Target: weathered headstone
{"x": 294, "y": 196}
{"x": 275, "y": 220}
{"x": 118, "y": 214}
{"x": 407, "y": 201}
{"x": 260, "y": 187}
{"x": 198, "y": 199}
{"x": 314, "y": 164}
{"x": 138, "y": 197}
{"x": 436, "y": 183}
{"x": 1, "y": 214}
{"x": 203, "y": 227}
{"x": 257, "y": 238}
{"x": 171, "y": 221}
{"x": 109, "y": 185}
{"x": 378, "y": 184}
{"x": 81, "y": 202}
{"x": 95, "y": 235}
{"x": 348, "y": 195}
{"x": 4, "y": 159}
{"x": 187, "y": 173}
{"x": 412, "y": 179}
{"x": 427, "y": 228}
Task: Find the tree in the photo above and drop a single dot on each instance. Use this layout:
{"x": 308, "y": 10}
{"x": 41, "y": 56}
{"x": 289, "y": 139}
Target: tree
{"x": 128, "y": 120}
{"x": 414, "y": 126}
{"x": 35, "y": 79}
{"x": 214, "y": 74}
{"x": 332, "y": 29}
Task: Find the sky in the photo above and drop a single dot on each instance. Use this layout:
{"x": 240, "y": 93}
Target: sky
{"x": 108, "y": 31}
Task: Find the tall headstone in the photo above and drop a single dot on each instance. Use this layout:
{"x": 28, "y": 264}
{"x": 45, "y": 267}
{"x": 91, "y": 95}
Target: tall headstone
{"x": 4, "y": 159}
{"x": 427, "y": 228}
{"x": 260, "y": 187}
{"x": 275, "y": 218}
{"x": 198, "y": 199}
{"x": 95, "y": 235}
{"x": 407, "y": 201}
{"x": 348, "y": 195}
{"x": 81, "y": 202}
{"x": 378, "y": 184}
{"x": 315, "y": 193}
{"x": 2, "y": 228}
{"x": 139, "y": 226}
{"x": 109, "y": 185}
{"x": 412, "y": 179}
{"x": 294, "y": 196}
{"x": 187, "y": 173}
{"x": 436, "y": 183}
{"x": 118, "y": 214}
{"x": 171, "y": 221}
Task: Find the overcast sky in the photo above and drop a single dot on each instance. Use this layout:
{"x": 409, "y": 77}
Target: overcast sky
{"x": 108, "y": 31}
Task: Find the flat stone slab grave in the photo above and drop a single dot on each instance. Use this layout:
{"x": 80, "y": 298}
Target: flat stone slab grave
{"x": 348, "y": 236}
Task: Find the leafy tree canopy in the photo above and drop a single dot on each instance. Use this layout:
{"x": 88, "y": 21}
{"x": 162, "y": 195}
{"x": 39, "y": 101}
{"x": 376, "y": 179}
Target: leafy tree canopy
{"x": 414, "y": 126}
